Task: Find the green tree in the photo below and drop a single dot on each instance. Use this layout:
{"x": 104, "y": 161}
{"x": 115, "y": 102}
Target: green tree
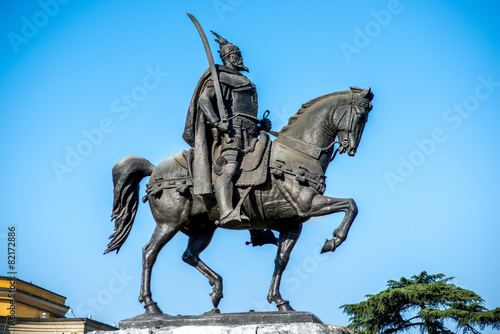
{"x": 423, "y": 302}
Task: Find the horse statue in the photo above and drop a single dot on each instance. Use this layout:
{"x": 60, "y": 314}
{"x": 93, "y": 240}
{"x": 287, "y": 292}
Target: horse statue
{"x": 291, "y": 192}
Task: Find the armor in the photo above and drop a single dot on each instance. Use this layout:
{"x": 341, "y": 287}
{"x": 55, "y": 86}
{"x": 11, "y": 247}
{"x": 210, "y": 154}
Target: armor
{"x": 244, "y": 101}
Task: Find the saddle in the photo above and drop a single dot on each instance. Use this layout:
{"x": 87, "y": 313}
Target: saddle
{"x": 253, "y": 171}
{"x": 254, "y": 166}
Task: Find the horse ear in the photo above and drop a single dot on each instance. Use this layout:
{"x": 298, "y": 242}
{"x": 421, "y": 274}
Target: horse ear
{"x": 367, "y": 93}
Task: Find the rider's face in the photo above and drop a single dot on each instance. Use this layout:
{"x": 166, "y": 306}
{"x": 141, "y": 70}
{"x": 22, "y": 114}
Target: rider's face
{"x": 236, "y": 62}
{"x": 236, "y": 59}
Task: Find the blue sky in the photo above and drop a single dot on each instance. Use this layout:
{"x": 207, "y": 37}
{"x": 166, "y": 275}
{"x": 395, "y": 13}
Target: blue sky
{"x": 424, "y": 178}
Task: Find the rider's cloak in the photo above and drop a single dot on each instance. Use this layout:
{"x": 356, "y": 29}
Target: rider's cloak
{"x": 197, "y": 134}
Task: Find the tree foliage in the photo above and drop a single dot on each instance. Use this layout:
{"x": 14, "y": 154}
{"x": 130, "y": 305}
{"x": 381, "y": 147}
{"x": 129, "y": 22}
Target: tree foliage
{"x": 423, "y": 302}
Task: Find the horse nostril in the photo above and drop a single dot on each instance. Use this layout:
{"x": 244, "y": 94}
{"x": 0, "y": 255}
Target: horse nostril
{"x": 352, "y": 151}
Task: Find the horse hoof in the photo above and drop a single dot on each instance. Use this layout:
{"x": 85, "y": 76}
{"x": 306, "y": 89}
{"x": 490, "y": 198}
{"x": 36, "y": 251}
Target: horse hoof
{"x": 152, "y": 308}
{"x": 329, "y": 246}
{"x": 215, "y": 310}
{"x": 216, "y": 296}
{"x": 285, "y": 307}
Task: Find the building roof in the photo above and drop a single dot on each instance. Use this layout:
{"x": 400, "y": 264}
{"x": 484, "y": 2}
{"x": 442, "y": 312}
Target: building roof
{"x": 54, "y": 325}
{"x": 8, "y": 278}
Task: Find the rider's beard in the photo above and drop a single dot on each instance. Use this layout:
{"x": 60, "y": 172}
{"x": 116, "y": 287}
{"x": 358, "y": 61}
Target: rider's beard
{"x": 241, "y": 67}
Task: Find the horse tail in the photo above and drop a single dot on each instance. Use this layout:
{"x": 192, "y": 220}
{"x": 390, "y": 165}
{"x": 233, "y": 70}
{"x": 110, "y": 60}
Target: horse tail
{"x": 127, "y": 174}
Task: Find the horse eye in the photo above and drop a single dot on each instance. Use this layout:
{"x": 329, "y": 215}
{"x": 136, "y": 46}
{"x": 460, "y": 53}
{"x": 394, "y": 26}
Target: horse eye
{"x": 363, "y": 117}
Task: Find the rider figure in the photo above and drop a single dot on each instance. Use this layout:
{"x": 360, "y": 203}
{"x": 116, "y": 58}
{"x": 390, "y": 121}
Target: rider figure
{"x": 236, "y": 136}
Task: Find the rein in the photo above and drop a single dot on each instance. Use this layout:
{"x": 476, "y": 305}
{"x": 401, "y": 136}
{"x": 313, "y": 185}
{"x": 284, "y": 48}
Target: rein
{"x": 315, "y": 151}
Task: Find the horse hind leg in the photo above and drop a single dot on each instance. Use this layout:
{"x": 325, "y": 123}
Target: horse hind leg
{"x": 197, "y": 244}
{"x": 287, "y": 241}
{"x": 163, "y": 233}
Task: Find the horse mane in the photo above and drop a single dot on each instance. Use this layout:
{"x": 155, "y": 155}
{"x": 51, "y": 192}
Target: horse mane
{"x": 309, "y": 103}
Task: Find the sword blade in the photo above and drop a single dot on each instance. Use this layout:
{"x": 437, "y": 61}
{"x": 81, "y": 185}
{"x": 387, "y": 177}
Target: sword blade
{"x": 213, "y": 69}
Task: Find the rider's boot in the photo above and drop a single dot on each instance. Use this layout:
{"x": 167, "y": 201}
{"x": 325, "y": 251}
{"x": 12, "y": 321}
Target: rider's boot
{"x": 224, "y": 196}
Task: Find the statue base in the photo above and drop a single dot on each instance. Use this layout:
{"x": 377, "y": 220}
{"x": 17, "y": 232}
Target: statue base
{"x": 228, "y": 323}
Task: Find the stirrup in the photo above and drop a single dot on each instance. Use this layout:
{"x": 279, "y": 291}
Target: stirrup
{"x": 235, "y": 216}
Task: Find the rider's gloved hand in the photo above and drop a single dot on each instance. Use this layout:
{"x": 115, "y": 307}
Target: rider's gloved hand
{"x": 265, "y": 124}
{"x": 222, "y": 126}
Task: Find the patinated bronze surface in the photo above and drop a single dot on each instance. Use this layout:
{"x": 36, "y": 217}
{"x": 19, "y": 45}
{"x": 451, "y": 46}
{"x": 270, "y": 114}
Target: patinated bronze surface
{"x": 235, "y": 177}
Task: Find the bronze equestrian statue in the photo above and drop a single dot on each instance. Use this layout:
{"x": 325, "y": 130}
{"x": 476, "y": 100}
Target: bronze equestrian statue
{"x": 276, "y": 185}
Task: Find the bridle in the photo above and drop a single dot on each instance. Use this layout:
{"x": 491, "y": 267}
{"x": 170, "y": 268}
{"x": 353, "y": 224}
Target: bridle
{"x": 345, "y": 142}
{"x": 315, "y": 151}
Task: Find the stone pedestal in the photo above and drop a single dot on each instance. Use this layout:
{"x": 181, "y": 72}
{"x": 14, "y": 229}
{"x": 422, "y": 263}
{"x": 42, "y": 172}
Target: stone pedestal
{"x": 229, "y": 323}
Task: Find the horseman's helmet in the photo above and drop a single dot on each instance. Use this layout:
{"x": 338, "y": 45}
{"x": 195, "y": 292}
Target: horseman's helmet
{"x": 226, "y": 48}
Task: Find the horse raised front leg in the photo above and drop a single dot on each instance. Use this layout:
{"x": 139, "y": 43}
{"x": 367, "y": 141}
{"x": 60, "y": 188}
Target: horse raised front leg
{"x": 162, "y": 234}
{"x": 287, "y": 241}
{"x": 197, "y": 244}
{"x": 323, "y": 205}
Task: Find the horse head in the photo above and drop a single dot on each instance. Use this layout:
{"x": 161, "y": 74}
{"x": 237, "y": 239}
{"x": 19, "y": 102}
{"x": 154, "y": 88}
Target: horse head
{"x": 350, "y": 117}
